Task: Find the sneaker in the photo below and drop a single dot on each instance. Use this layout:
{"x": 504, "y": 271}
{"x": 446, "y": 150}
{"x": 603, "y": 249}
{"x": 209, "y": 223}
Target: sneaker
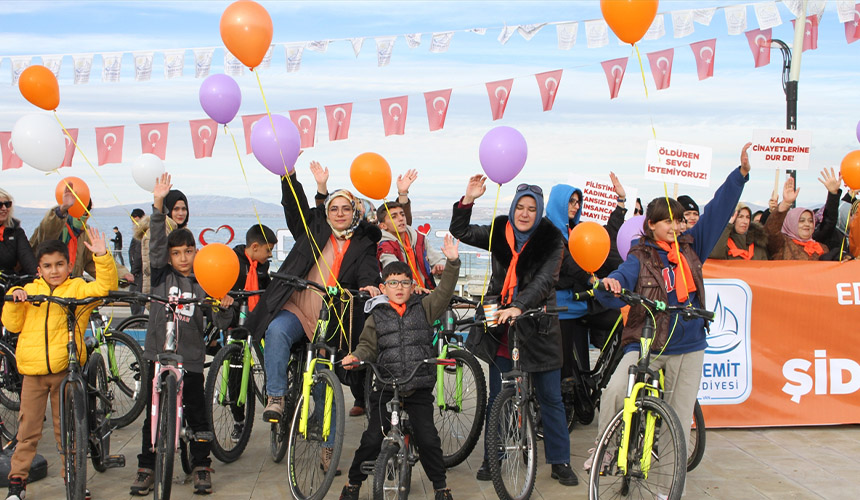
{"x": 144, "y": 482}
{"x": 443, "y": 494}
{"x": 607, "y": 457}
{"x": 17, "y": 488}
{"x": 564, "y": 474}
{"x": 356, "y": 411}
{"x": 202, "y": 480}
{"x": 87, "y": 494}
{"x": 484, "y": 472}
{"x": 349, "y": 492}
{"x": 325, "y": 460}
{"x": 274, "y": 409}
{"x": 238, "y": 429}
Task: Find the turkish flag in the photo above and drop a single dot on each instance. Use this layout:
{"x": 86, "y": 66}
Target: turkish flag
{"x": 153, "y": 139}
{"x": 852, "y": 28}
{"x": 70, "y": 147}
{"x": 704, "y": 52}
{"x": 109, "y": 144}
{"x": 394, "y": 114}
{"x": 338, "y": 116}
{"x": 810, "y": 34}
{"x": 614, "y": 70}
{"x": 437, "y": 107}
{"x": 248, "y": 122}
{"x": 499, "y": 92}
{"x": 10, "y": 159}
{"x": 548, "y": 84}
{"x": 203, "y": 134}
{"x": 759, "y": 41}
{"x": 661, "y": 67}
{"x": 306, "y": 122}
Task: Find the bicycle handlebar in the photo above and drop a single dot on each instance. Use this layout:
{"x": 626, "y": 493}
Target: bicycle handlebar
{"x": 117, "y": 295}
{"x": 63, "y": 301}
{"x": 394, "y": 381}
{"x": 687, "y": 312}
{"x": 303, "y": 283}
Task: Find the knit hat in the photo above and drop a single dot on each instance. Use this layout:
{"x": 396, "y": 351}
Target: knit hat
{"x": 688, "y": 203}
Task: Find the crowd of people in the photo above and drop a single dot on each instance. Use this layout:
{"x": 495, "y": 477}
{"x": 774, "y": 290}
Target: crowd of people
{"x": 344, "y": 240}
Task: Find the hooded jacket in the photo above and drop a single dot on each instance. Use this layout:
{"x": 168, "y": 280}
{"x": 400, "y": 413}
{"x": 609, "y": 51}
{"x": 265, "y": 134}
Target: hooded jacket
{"x": 390, "y": 250}
{"x": 141, "y": 232}
{"x": 571, "y": 278}
{"x": 15, "y": 251}
{"x": 44, "y": 331}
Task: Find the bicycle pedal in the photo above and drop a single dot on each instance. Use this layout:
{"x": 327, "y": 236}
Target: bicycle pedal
{"x": 203, "y": 436}
{"x": 114, "y": 461}
{"x": 367, "y": 467}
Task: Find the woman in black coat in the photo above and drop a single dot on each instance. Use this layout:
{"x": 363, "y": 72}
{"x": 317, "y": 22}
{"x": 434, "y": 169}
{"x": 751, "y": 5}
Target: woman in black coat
{"x": 16, "y": 255}
{"x": 526, "y": 257}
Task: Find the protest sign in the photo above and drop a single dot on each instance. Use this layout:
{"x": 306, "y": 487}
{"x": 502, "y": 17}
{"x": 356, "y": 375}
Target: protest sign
{"x": 599, "y": 199}
{"x": 678, "y": 163}
{"x": 781, "y": 149}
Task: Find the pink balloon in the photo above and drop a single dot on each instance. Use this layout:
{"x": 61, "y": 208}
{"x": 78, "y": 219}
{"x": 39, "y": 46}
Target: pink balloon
{"x": 503, "y": 153}
{"x": 629, "y": 231}
{"x": 276, "y": 149}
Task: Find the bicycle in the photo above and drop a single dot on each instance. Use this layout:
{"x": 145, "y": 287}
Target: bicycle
{"x": 85, "y": 405}
{"x": 511, "y": 432}
{"x": 392, "y": 470}
{"x": 643, "y": 449}
{"x": 10, "y": 379}
{"x": 315, "y": 401}
{"x": 235, "y": 383}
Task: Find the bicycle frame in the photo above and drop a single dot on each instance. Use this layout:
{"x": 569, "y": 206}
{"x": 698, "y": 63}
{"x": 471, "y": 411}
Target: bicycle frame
{"x": 247, "y": 361}
{"x": 74, "y": 376}
{"x": 447, "y": 331}
{"x": 168, "y": 364}
{"x": 311, "y": 361}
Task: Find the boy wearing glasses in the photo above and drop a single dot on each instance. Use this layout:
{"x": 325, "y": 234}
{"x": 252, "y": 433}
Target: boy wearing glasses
{"x": 398, "y": 334}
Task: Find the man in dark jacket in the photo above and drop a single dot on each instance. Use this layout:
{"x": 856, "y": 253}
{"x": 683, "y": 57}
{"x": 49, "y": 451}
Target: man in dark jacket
{"x": 135, "y": 260}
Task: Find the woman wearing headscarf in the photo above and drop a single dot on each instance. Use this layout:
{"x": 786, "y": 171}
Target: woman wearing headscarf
{"x": 743, "y": 239}
{"x": 526, "y": 256}
{"x": 790, "y": 230}
{"x": 176, "y": 209}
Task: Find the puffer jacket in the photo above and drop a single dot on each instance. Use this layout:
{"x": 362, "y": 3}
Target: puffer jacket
{"x": 141, "y": 232}
{"x": 44, "y": 333}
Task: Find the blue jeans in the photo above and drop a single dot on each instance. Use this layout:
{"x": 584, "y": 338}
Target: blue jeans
{"x": 284, "y": 331}
{"x": 547, "y": 385}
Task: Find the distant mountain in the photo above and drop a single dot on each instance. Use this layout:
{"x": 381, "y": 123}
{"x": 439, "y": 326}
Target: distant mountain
{"x": 210, "y": 205}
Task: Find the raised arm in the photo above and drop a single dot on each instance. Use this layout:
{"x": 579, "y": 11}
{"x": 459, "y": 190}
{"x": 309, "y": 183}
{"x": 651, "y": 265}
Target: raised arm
{"x": 831, "y": 181}
{"x": 470, "y": 234}
{"x": 291, "y": 206}
{"x": 106, "y": 273}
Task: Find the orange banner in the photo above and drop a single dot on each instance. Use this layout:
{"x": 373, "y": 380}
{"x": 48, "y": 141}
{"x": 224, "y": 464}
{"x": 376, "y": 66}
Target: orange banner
{"x": 783, "y": 349}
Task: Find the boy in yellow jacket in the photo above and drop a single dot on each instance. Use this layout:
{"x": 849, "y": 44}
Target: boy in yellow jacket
{"x": 41, "y": 353}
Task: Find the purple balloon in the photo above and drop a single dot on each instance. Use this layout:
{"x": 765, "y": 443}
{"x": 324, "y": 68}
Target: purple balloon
{"x": 503, "y": 154}
{"x": 220, "y": 97}
{"x": 629, "y": 231}
{"x": 265, "y": 144}
{"x": 858, "y": 131}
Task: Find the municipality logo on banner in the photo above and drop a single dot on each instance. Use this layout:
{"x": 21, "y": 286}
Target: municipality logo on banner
{"x": 727, "y": 370}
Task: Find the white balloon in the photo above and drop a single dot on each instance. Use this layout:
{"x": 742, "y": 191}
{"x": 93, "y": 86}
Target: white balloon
{"x": 147, "y": 168}
{"x": 39, "y": 141}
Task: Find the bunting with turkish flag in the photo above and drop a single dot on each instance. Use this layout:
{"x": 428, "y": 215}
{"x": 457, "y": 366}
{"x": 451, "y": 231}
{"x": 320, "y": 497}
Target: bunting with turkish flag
{"x": 109, "y": 144}
{"x": 852, "y": 28}
{"x": 394, "y": 114}
{"x": 661, "y": 67}
{"x": 248, "y": 122}
{"x": 759, "y": 41}
{"x": 70, "y": 146}
{"x": 338, "y": 116}
{"x": 704, "y": 52}
{"x": 306, "y": 121}
{"x": 810, "y": 33}
{"x": 437, "y": 107}
{"x": 548, "y": 85}
{"x": 203, "y": 134}
{"x": 10, "y": 159}
{"x": 614, "y": 70}
{"x": 499, "y": 92}
{"x": 153, "y": 139}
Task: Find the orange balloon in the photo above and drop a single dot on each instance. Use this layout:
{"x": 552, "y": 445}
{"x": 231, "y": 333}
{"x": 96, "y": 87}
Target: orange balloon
{"x": 371, "y": 175}
{"x": 850, "y": 169}
{"x": 629, "y": 19}
{"x": 80, "y": 188}
{"x": 246, "y": 29}
{"x": 39, "y": 86}
{"x": 589, "y": 245}
{"x": 216, "y": 268}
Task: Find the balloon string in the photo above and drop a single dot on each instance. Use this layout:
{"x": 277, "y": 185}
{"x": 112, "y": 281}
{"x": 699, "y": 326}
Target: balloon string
{"x": 847, "y": 223}
{"x": 94, "y": 170}
{"x": 245, "y": 175}
{"x": 490, "y": 245}
{"x": 412, "y": 265}
{"x": 665, "y": 186}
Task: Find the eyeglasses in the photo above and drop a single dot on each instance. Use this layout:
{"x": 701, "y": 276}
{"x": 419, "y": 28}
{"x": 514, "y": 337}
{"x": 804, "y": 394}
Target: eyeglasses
{"x": 534, "y": 189}
{"x": 398, "y": 283}
{"x": 343, "y": 210}
{"x": 7, "y": 204}
{"x": 574, "y": 201}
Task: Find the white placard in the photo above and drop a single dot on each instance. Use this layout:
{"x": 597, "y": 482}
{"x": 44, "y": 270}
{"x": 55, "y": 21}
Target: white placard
{"x": 678, "y": 163}
{"x": 598, "y": 197}
{"x": 781, "y": 149}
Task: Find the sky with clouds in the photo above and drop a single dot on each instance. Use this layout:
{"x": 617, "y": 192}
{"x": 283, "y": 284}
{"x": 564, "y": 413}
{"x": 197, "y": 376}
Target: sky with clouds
{"x": 585, "y": 133}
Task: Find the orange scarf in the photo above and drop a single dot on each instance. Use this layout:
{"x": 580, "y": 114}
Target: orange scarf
{"x": 811, "y": 247}
{"x": 734, "y": 251}
{"x": 681, "y": 290}
{"x": 511, "y": 276}
{"x": 413, "y": 262}
{"x": 252, "y": 283}
{"x": 73, "y": 245}
{"x": 400, "y": 308}
{"x": 338, "y": 260}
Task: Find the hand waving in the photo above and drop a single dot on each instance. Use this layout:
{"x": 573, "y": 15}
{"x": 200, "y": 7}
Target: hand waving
{"x": 831, "y": 180}
{"x": 745, "y": 159}
{"x": 475, "y": 189}
{"x": 405, "y": 181}
{"x": 319, "y": 172}
{"x": 789, "y": 195}
{"x": 97, "y": 244}
{"x": 451, "y": 247}
{"x": 616, "y": 185}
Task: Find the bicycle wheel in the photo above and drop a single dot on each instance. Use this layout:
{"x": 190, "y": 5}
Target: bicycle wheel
{"x": 512, "y": 436}
{"x": 459, "y": 425}
{"x": 278, "y": 432}
{"x": 258, "y": 370}
{"x": 135, "y": 327}
{"x": 99, "y": 411}
{"x": 125, "y": 372}
{"x": 74, "y": 421}
{"x": 10, "y": 391}
{"x": 308, "y": 480}
{"x": 392, "y": 473}
{"x": 165, "y": 447}
{"x": 696, "y": 443}
{"x": 222, "y": 407}
{"x": 662, "y": 471}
